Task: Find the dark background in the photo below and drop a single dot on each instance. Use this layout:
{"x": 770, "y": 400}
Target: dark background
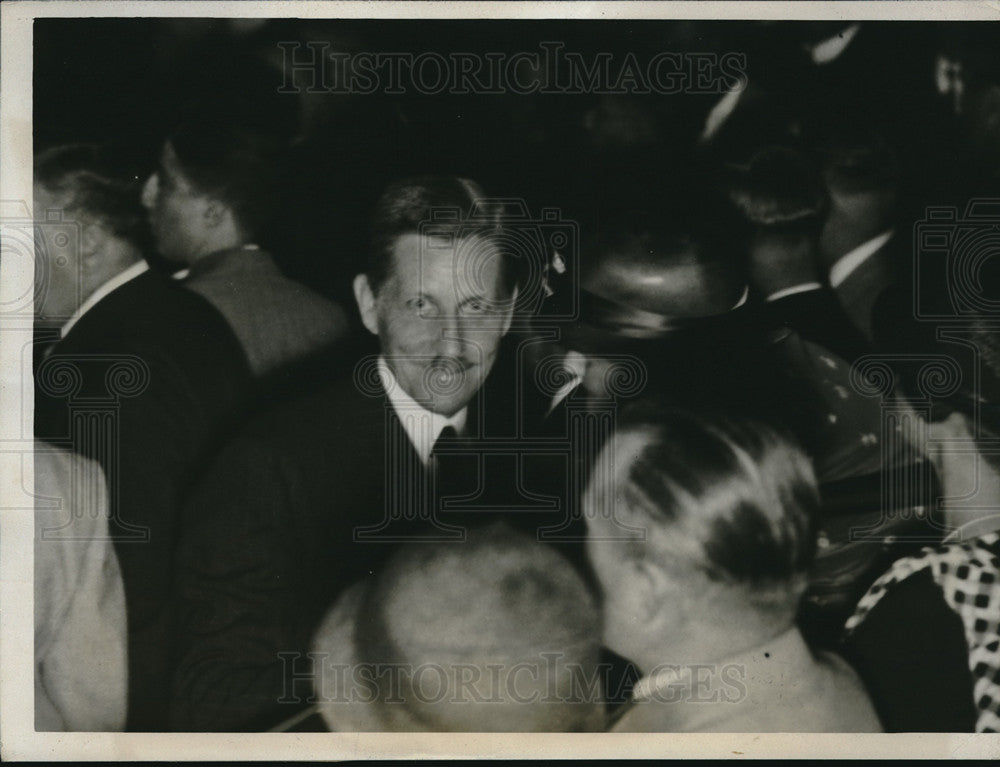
{"x": 125, "y": 82}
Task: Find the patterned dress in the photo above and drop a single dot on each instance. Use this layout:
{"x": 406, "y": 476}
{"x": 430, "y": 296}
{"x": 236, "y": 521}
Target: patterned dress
{"x": 968, "y": 576}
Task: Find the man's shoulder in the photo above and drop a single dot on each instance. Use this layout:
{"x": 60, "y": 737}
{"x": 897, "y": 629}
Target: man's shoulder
{"x": 342, "y": 410}
{"x": 151, "y": 285}
{"x": 150, "y": 306}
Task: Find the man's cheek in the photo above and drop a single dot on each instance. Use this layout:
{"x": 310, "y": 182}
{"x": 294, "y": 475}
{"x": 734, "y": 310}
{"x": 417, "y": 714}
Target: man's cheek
{"x": 411, "y": 336}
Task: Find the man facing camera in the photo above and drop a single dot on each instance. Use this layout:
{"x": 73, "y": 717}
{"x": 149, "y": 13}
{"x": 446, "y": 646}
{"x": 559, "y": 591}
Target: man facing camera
{"x": 316, "y": 494}
{"x": 701, "y": 534}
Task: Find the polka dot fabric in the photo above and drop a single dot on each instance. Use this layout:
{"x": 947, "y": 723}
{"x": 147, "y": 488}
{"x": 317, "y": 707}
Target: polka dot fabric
{"x": 968, "y": 575}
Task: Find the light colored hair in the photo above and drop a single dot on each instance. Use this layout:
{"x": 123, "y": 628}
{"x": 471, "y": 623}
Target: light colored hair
{"x": 731, "y": 500}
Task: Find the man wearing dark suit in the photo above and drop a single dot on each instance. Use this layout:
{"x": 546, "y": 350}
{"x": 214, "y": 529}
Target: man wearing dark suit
{"x": 782, "y": 196}
{"x": 144, "y": 377}
{"x": 210, "y": 201}
{"x": 316, "y": 494}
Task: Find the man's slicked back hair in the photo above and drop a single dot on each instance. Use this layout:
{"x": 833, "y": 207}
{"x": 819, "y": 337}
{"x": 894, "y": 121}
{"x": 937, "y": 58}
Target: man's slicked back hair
{"x": 732, "y": 498}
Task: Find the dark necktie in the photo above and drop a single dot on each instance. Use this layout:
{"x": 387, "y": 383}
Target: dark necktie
{"x": 440, "y": 453}
{"x": 446, "y": 474}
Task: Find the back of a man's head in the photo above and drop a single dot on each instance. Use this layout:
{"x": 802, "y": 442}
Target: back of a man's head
{"x": 89, "y": 180}
{"x": 242, "y": 165}
{"x": 494, "y": 633}
{"x": 726, "y": 505}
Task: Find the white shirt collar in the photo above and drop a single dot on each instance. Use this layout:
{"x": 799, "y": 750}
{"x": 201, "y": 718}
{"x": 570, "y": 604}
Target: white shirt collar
{"x": 805, "y": 287}
{"x": 827, "y": 50}
{"x": 719, "y": 114}
{"x": 574, "y": 366}
{"x": 117, "y": 281}
{"x": 422, "y": 426}
{"x": 848, "y": 263}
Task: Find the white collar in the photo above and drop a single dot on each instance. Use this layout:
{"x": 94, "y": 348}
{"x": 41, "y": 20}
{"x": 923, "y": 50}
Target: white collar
{"x": 780, "y": 657}
{"x": 827, "y": 50}
{"x": 804, "y": 287}
{"x": 719, "y": 114}
{"x": 848, "y": 263}
{"x": 422, "y": 426}
{"x": 117, "y": 281}
{"x": 574, "y": 365}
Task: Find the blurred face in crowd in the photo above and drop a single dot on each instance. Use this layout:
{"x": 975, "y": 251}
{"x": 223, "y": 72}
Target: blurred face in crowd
{"x": 76, "y": 252}
{"x": 439, "y": 317}
{"x": 57, "y": 256}
{"x": 177, "y": 210}
{"x": 626, "y": 582}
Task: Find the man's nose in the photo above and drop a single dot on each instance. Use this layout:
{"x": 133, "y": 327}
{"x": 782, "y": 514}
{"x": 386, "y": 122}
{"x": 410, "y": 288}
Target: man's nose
{"x": 149, "y": 191}
{"x": 451, "y": 342}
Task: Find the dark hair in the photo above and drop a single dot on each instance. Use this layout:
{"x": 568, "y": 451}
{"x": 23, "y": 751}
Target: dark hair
{"x": 732, "y": 498}
{"x": 99, "y": 183}
{"x": 456, "y": 205}
{"x": 780, "y": 189}
{"x": 665, "y": 214}
{"x": 241, "y": 165}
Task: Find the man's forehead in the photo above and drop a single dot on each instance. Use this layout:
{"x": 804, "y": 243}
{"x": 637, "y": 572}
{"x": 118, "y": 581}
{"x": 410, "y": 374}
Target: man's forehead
{"x": 440, "y": 253}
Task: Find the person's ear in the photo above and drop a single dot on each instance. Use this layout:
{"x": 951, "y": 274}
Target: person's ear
{"x": 650, "y": 579}
{"x": 215, "y": 213}
{"x": 365, "y": 297}
{"x": 92, "y": 239}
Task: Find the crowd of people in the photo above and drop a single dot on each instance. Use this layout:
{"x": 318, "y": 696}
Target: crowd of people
{"x": 612, "y": 412}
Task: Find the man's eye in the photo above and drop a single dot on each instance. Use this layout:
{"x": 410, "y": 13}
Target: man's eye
{"x": 422, "y": 306}
{"x": 475, "y": 307}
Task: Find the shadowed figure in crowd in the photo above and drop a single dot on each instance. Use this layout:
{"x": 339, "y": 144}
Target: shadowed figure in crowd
{"x": 81, "y": 650}
{"x": 926, "y": 635}
{"x": 782, "y": 196}
{"x": 701, "y": 533}
{"x": 497, "y": 633}
{"x": 214, "y": 193}
{"x": 654, "y": 305}
{"x": 145, "y": 376}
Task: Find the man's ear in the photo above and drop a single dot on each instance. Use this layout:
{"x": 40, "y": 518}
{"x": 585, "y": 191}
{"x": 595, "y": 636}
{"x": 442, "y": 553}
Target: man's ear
{"x": 98, "y": 262}
{"x": 650, "y": 578}
{"x": 215, "y": 213}
{"x": 365, "y": 297}
{"x": 92, "y": 239}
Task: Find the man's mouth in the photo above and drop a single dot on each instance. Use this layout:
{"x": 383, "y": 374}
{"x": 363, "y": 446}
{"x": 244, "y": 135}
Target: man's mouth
{"x": 447, "y": 376}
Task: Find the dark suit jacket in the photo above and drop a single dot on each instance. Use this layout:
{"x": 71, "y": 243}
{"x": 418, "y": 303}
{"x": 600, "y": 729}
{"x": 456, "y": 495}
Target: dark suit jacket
{"x": 859, "y": 292}
{"x": 144, "y": 383}
{"x": 817, "y": 316}
{"x": 308, "y": 499}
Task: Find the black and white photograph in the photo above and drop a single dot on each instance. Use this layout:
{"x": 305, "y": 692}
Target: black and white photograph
{"x": 500, "y": 371}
